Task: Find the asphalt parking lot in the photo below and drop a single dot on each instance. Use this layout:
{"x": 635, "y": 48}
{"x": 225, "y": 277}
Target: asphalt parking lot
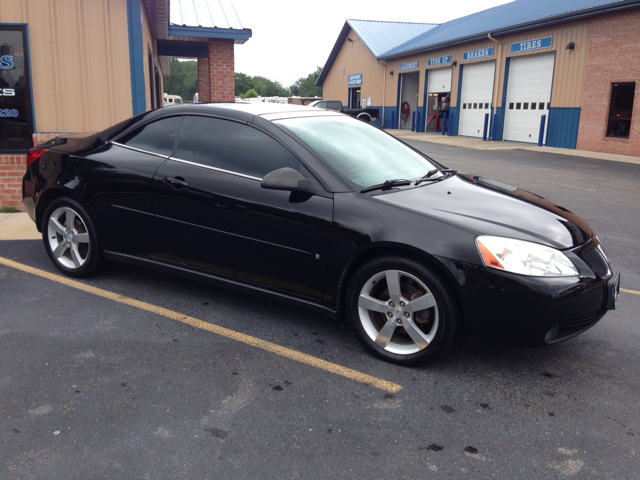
{"x": 134, "y": 374}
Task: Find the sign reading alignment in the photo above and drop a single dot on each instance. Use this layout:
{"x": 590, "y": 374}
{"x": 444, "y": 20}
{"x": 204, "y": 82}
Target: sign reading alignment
{"x": 408, "y": 66}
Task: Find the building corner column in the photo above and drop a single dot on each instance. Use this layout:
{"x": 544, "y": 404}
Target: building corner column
{"x": 222, "y": 82}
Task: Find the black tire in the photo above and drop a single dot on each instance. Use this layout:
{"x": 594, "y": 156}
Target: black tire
{"x": 389, "y": 328}
{"x": 75, "y": 252}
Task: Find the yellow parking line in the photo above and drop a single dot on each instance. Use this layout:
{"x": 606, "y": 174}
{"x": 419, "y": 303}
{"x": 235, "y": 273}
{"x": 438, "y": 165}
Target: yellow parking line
{"x": 630, "y": 291}
{"x": 225, "y": 332}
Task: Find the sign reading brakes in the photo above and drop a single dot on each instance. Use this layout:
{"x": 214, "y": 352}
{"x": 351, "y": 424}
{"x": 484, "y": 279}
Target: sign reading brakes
{"x": 408, "y": 66}
{"x": 440, "y": 60}
{"x": 355, "y": 79}
{"x": 480, "y": 53}
{"x": 531, "y": 44}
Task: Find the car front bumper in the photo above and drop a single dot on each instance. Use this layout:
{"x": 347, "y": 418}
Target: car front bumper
{"x": 530, "y": 311}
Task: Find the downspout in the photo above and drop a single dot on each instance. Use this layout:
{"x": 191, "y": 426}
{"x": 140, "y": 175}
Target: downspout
{"x": 384, "y": 89}
{"x": 496, "y": 79}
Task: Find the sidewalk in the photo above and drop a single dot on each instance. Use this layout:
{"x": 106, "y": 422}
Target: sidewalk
{"x": 479, "y": 144}
{"x": 17, "y": 226}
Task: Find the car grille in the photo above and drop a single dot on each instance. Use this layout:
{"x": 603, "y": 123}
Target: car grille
{"x": 580, "y": 322}
{"x": 596, "y": 261}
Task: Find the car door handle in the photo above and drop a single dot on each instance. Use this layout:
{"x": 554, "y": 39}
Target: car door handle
{"x": 177, "y": 182}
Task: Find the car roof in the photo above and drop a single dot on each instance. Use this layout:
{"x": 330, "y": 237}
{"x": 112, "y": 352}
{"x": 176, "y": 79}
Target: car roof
{"x": 246, "y": 111}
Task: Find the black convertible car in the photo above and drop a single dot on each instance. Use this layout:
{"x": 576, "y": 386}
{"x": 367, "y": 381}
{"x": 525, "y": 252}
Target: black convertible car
{"x": 317, "y": 208}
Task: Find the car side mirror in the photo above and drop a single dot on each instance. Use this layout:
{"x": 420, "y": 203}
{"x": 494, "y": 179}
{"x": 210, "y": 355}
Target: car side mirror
{"x": 287, "y": 179}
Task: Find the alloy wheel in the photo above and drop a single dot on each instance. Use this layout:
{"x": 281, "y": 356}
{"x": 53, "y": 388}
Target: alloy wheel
{"x": 68, "y": 238}
{"x": 398, "y": 312}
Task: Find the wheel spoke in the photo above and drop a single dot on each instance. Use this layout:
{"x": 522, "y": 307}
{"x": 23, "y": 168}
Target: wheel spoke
{"x": 55, "y": 224}
{"x": 421, "y": 303}
{"x": 386, "y": 332}
{"x": 418, "y": 337}
{"x": 60, "y": 249}
{"x": 393, "y": 285}
{"x": 70, "y": 219}
{"x": 372, "y": 304}
{"x": 82, "y": 238}
{"x": 77, "y": 261}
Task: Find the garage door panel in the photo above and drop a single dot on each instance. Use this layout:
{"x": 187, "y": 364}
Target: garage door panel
{"x": 476, "y": 97}
{"x": 528, "y": 96}
{"x": 439, "y": 80}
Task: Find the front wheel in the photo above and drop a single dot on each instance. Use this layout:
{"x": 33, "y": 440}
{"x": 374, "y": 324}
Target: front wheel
{"x": 70, "y": 239}
{"x": 402, "y": 311}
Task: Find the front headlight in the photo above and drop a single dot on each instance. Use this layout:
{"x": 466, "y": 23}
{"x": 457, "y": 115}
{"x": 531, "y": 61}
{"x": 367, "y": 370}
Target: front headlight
{"x": 525, "y": 258}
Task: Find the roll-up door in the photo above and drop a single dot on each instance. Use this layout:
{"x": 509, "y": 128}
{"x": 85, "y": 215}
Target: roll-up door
{"x": 439, "y": 80}
{"x": 438, "y": 87}
{"x": 528, "y": 96}
{"x": 476, "y": 97}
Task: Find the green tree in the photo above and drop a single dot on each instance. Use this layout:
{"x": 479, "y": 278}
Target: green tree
{"x": 182, "y": 80}
{"x": 251, "y": 93}
{"x": 243, "y": 83}
{"x": 306, "y": 86}
{"x": 269, "y": 88}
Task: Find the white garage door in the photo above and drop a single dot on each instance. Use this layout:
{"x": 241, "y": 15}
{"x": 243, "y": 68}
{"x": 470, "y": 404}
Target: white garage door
{"x": 528, "y": 97}
{"x": 476, "y": 97}
{"x": 439, "y": 80}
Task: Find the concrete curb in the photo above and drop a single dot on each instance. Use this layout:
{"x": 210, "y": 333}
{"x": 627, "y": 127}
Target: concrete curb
{"x": 18, "y": 226}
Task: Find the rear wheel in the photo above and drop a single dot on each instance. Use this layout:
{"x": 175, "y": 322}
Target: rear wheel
{"x": 70, "y": 239}
{"x": 402, "y": 310}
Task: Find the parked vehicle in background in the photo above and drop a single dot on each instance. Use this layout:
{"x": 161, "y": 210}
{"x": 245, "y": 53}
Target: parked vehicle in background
{"x": 282, "y": 100}
{"x": 173, "y": 99}
{"x": 364, "y": 114}
{"x": 297, "y": 100}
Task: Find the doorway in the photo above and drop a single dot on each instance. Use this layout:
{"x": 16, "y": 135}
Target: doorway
{"x": 354, "y": 97}
{"x": 408, "y": 99}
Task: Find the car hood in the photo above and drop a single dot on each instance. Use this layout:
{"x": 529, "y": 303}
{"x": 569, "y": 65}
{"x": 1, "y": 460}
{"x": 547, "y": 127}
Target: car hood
{"x": 487, "y": 207}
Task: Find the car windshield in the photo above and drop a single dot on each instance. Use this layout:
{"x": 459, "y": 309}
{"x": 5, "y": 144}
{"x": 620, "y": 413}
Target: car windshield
{"x": 363, "y": 154}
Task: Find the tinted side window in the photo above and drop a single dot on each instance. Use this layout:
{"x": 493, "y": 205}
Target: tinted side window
{"x": 232, "y": 146}
{"x": 157, "y": 137}
{"x": 334, "y": 106}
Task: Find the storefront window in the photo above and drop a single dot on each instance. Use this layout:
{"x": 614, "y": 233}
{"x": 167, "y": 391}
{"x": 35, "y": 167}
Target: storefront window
{"x": 620, "y": 109}
{"x": 16, "y": 118}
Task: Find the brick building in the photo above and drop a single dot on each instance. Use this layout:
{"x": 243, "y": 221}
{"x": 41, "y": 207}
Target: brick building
{"x": 74, "y": 66}
{"x": 563, "y": 73}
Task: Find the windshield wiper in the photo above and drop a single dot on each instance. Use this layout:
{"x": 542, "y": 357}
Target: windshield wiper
{"x": 386, "y": 185}
{"x": 446, "y": 171}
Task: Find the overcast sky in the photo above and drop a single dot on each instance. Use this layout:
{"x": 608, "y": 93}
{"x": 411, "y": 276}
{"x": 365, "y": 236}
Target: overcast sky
{"x": 293, "y": 37}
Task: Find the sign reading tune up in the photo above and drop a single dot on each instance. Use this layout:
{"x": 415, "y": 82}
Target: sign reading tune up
{"x": 440, "y": 60}
{"x": 531, "y": 44}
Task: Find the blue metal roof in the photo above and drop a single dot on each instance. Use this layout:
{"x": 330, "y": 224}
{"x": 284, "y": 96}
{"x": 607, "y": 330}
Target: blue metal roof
{"x": 206, "y": 18}
{"x": 504, "y": 17}
{"x": 380, "y": 37}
